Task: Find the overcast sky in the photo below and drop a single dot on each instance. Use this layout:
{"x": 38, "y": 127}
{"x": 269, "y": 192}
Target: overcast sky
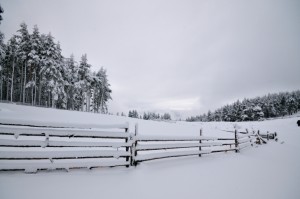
{"x": 177, "y": 56}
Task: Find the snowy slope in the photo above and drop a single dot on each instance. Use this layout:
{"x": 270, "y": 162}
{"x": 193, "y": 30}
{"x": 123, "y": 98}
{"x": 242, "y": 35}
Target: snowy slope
{"x": 268, "y": 171}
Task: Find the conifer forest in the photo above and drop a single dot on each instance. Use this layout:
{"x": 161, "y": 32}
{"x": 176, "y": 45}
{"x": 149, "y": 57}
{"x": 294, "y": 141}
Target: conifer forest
{"x": 33, "y": 71}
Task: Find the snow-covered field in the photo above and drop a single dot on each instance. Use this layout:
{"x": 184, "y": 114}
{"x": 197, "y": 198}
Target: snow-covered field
{"x": 266, "y": 171}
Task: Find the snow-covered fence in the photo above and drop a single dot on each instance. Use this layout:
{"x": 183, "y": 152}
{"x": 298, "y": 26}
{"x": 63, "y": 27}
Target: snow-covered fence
{"x": 245, "y": 140}
{"x": 268, "y": 136}
{"x": 36, "y": 148}
{"x": 158, "y": 147}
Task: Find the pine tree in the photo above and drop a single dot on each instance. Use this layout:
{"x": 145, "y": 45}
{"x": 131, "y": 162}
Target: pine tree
{"x": 102, "y": 91}
{"x": 23, "y": 54}
{"x": 84, "y": 82}
{"x": 291, "y": 104}
{"x": 10, "y": 63}
{"x": 71, "y": 76}
{"x": 257, "y": 113}
{"x": 52, "y": 78}
{"x": 34, "y": 59}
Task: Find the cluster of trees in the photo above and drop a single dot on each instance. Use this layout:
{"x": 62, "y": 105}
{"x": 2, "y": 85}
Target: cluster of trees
{"x": 259, "y": 108}
{"x": 154, "y": 116}
{"x": 33, "y": 71}
{"x": 149, "y": 115}
{"x": 133, "y": 114}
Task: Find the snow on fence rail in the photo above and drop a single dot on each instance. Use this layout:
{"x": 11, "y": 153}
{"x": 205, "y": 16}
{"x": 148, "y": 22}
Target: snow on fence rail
{"x": 158, "y": 147}
{"x": 33, "y": 148}
{"x": 36, "y": 148}
{"x": 34, "y": 123}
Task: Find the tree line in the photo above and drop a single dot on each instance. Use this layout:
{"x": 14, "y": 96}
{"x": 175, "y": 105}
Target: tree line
{"x": 255, "y": 109}
{"x": 34, "y": 71}
{"x": 149, "y": 115}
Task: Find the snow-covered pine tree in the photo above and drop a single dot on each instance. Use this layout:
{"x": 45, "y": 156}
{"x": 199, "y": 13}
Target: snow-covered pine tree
{"x": 291, "y": 104}
{"x": 52, "y": 79}
{"x": 257, "y": 113}
{"x": 85, "y": 79}
{"x": 71, "y": 76}
{"x": 34, "y": 59}
{"x": 102, "y": 91}
{"x": 10, "y": 63}
{"x": 23, "y": 54}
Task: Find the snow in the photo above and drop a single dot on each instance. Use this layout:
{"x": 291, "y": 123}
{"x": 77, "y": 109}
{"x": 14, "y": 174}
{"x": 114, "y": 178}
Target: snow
{"x": 178, "y": 145}
{"x": 57, "y": 123}
{"x": 170, "y": 154}
{"x": 174, "y": 138}
{"x": 17, "y": 131}
{"x": 33, "y": 167}
{"x": 264, "y": 171}
{"x": 4, "y": 154}
{"x": 9, "y": 142}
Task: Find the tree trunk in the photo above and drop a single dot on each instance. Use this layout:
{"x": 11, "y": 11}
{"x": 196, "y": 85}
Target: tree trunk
{"x": 32, "y": 95}
{"x": 82, "y": 105}
{"x": 40, "y": 90}
{"x": 34, "y": 102}
{"x": 12, "y": 81}
{"x": 7, "y": 90}
{"x": 24, "y": 85}
{"x": 101, "y": 101}
{"x": 21, "y": 83}
{"x": 1, "y": 82}
{"x": 53, "y": 101}
{"x": 48, "y": 104}
{"x": 88, "y": 98}
{"x": 31, "y": 89}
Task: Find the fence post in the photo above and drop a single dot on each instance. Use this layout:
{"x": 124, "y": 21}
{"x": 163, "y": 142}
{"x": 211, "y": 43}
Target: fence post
{"x": 135, "y": 141}
{"x": 126, "y": 141}
{"x": 250, "y": 140}
{"x": 236, "y": 141}
{"x": 134, "y": 144}
{"x": 200, "y": 141}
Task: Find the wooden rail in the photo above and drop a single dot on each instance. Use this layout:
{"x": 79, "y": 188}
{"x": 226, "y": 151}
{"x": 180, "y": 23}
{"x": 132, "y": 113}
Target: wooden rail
{"x": 32, "y": 148}
{"x": 158, "y": 147}
{"x": 63, "y": 147}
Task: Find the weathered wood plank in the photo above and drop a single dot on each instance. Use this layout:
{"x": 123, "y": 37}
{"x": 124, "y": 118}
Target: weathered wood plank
{"x": 175, "y": 146}
{"x": 173, "y": 138}
{"x": 45, "y": 143}
{"x": 29, "y": 131}
{"x": 155, "y": 156}
{"x": 33, "y": 167}
{"x": 62, "y": 154}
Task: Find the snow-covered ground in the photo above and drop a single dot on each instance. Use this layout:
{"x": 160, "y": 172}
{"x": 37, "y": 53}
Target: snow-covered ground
{"x": 267, "y": 171}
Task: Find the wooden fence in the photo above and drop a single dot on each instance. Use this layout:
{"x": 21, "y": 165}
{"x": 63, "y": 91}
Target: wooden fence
{"x": 38, "y": 148}
{"x": 33, "y": 147}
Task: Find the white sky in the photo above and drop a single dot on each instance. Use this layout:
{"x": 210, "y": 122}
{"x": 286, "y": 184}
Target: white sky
{"x": 179, "y": 56}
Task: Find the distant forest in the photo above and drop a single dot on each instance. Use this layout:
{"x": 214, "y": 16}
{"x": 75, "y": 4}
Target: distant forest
{"x": 259, "y": 108}
{"x": 149, "y": 115}
{"x": 33, "y": 71}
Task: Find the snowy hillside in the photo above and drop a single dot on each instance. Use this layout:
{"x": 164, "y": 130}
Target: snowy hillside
{"x": 266, "y": 171}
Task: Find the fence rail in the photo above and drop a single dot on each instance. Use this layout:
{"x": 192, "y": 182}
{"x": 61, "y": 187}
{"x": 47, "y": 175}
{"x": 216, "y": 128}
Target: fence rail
{"x": 31, "y": 148}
